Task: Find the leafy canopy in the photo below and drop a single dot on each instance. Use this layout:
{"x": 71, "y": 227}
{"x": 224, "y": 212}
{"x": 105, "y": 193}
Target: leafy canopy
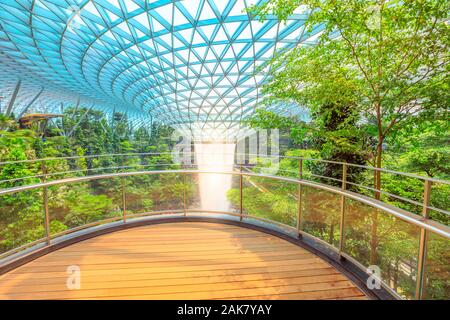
{"x": 386, "y": 59}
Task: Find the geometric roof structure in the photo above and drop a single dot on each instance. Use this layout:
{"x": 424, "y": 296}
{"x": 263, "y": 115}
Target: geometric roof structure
{"x": 183, "y": 63}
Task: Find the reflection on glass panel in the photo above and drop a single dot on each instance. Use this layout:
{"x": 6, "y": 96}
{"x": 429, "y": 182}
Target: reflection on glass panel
{"x": 437, "y": 270}
{"x": 192, "y": 192}
{"x": 375, "y": 238}
{"x": 21, "y": 219}
{"x": 138, "y": 194}
{"x": 270, "y": 199}
{"x": 321, "y": 214}
{"x": 76, "y": 204}
{"x": 192, "y": 188}
{"x": 233, "y": 194}
{"x": 215, "y": 192}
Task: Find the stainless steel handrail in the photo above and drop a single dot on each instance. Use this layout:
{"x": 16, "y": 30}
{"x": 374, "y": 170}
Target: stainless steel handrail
{"x": 425, "y": 224}
{"x": 410, "y": 175}
{"x": 377, "y": 192}
{"x": 397, "y": 212}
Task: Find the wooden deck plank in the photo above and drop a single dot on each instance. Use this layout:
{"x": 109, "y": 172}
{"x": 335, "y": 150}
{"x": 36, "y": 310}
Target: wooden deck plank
{"x": 208, "y": 291}
{"x": 182, "y": 256}
{"x": 163, "y": 287}
{"x": 191, "y": 260}
{"x": 183, "y": 244}
{"x": 53, "y": 284}
{"x": 175, "y": 249}
{"x": 338, "y": 294}
{"x": 238, "y": 268}
{"x": 104, "y": 264}
{"x": 231, "y": 252}
{"x": 62, "y": 275}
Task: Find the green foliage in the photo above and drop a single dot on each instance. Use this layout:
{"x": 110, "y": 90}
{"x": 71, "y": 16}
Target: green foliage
{"x": 421, "y": 147}
{"x": 81, "y": 132}
{"x": 263, "y": 119}
{"x": 85, "y": 208}
{"x": 267, "y": 199}
{"x": 333, "y": 131}
{"x": 387, "y": 60}
{"x": 377, "y": 88}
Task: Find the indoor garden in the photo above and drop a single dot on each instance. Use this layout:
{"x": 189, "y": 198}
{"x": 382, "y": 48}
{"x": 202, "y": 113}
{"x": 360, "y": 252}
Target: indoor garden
{"x": 97, "y": 96}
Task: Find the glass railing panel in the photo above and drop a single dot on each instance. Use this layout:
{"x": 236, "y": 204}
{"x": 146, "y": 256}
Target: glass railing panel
{"x": 439, "y": 202}
{"x": 233, "y": 194}
{"x": 154, "y": 192}
{"x": 271, "y": 199}
{"x": 214, "y": 192}
{"x": 437, "y": 268}
{"x": 139, "y": 197}
{"x": 191, "y": 191}
{"x": 78, "y": 204}
{"x": 375, "y": 238}
{"x": 21, "y": 219}
{"x": 321, "y": 214}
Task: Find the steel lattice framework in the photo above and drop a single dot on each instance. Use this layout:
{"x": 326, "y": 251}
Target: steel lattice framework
{"x": 183, "y": 63}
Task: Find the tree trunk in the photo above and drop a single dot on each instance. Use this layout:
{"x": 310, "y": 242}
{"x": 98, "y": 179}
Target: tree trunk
{"x": 374, "y": 238}
{"x": 396, "y": 275}
{"x": 331, "y": 238}
{"x": 377, "y": 186}
{"x": 377, "y": 174}
{"x": 389, "y": 277}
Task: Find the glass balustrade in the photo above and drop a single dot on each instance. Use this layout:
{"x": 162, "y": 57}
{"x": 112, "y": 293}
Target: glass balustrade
{"x": 372, "y": 234}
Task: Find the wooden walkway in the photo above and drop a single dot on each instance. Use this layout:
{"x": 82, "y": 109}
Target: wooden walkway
{"x": 189, "y": 260}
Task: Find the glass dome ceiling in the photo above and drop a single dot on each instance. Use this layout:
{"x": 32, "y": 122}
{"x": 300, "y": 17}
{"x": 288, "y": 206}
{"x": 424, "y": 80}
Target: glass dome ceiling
{"x": 184, "y": 63}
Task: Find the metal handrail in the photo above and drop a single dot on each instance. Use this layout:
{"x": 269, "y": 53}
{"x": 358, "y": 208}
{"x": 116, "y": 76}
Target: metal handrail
{"x": 423, "y": 222}
{"x": 397, "y": 212}
{"x": 410, "y": 175}
{"x": 241, "y": 156}
{"x": 376, "y": 192}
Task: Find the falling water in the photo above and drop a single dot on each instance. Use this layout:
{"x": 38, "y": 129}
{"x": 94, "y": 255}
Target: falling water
{"x": 213, "y": 187}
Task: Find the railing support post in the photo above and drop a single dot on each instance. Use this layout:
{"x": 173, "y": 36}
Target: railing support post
{"x": 341, "y": 224}
{"x": 299, "y": 213}
{"x": 47, "y": 217}
{"x": 45, "y": 203}
{"x": 241, "y": 209}
{"x": 124, "y": 195}
{"x": 184, "y": 195}
{"x": 43, "y": 171}
{"x": 421, "y": 263}
{"x": 124, "y": 201}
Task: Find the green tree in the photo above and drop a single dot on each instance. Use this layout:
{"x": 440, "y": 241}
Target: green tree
{"x": 387, "y": 58}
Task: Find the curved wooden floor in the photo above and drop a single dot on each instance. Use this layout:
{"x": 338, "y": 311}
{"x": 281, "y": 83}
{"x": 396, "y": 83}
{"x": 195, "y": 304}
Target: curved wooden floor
{"x": 189, "y": 260}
